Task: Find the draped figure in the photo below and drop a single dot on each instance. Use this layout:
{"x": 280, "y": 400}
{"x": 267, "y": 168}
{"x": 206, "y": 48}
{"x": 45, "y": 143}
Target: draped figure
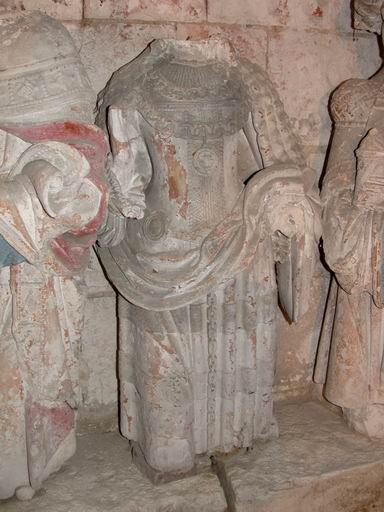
{"x": 199, "y": 138}
{"x": 350, "y": 356}
{"x": 53, "y": 198}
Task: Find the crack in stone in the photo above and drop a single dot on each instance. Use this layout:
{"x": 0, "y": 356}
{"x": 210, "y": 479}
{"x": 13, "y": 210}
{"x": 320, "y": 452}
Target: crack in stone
{"x": 218, "y": 467}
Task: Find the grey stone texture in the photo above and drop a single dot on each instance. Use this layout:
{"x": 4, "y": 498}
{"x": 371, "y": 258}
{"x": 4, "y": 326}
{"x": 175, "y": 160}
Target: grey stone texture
{"x": 228, "y": 197}
{"x": 306, "y": 57}
{"x": 351, "y": 346}
{"x": 101, "y": 476}
{"x": 317, "y": 464}
{"x": 306, "y": 46}
{"x": 53, "y": 198}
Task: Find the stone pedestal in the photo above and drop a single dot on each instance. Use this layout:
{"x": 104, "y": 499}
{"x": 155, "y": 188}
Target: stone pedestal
{"x": 317, "y": 464}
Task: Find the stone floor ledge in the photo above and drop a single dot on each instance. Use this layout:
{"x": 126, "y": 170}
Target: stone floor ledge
{"x": 316, "y": 465}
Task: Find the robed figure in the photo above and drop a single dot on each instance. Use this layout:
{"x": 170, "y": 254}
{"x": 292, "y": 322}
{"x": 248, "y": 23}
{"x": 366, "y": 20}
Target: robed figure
{"x": 53, "y": 198}
{"x": 350, "y": 356}
{"x": 200, "y": 140}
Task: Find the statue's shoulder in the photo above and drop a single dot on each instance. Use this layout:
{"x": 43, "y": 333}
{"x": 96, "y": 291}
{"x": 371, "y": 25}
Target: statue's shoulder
{"x": 255, "y": 75}
{"x": 124, "y": 87}
{"x": 353, "y": 100}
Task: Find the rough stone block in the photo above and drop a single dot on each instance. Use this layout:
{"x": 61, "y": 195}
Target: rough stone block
{"x": 63, "y": 10}
{"x": 317, "y": 464}
{"x": 147, "y": 10}
{"x": 101, "y": 477}
{"x": 322, "y": 14}
{"x": 297, "y": 343}
{"x": 105, "y": 47}
{"x": 249, "y": 42}
{"x": 307, "y": 66}
{"x": 98, "y": 381}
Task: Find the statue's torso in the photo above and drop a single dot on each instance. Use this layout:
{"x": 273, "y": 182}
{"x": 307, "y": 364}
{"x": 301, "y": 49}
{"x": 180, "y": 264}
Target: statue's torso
{"x": 191, "y": 120}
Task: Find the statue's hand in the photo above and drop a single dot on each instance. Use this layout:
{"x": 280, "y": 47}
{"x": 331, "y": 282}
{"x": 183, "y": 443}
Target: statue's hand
{"x": 288, "y": 219}
{"x": 49, "y": 184}
{"x": 281, "y": 246}
{"x": 289, "y": 200}
{"x": 58, "y": 174}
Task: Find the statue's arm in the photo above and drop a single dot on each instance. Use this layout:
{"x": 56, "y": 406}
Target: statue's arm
{"x": 129, "y": 173}
{"x": 130, "y": 167}
{"x": 277, "y": 149}
{"x": 291, "y": 206}
{"x": 347, "y": 226}
{"x": 269, "y": 130}
{"x": 44, "y": 194}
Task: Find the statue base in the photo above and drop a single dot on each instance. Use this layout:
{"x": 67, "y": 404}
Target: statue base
{"x": 203, "y": 464}
{"x": 316, "y": 464}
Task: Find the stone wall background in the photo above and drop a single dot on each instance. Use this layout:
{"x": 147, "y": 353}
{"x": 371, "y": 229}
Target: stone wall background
{"x": 307, "y": 47}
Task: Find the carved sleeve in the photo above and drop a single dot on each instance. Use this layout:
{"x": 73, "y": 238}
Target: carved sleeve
{"x": 130, "y": 167}
{"x": 129, "y": 173}
{"x": 292, "y": 207}
{"x": 272, "y": 131}
{"x": 24, "y": 223}
{"x": 270, "y": 135}
{"x": 19, "y": 214}
{"x": 43, "y": 194}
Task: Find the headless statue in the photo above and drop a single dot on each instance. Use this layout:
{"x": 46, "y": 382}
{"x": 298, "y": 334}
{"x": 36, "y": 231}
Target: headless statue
{"x": 199, "y": 137}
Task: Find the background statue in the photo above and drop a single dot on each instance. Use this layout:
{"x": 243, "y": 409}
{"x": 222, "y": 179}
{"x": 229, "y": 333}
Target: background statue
{"x": 190, "y": 124}
{"x": 350, "y": 357}
{"x": 52, "y": 201}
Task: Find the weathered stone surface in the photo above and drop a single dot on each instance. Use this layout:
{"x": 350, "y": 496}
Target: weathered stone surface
{"x": 316, "y": 14}
{"x": 316, "y": 464}
{"x": 250, "y": 42}
{"x": 350, "y": 357}
{"x": 297, "y": 344}
{"x": 63, "y": 10}
{"x": 147, "y": 10}
{"x": 186, "y": 121}
{"x": 25, "y": 493}
{"x": 318, "y": 68}
{"x": 104, "y": 47}
{"x": 321, "y": 62}
{"x": 101, "y": 476}
{"x": 316, "y": 157}
{"x": 53, "y": 199}
{"x": 98, "y": 379}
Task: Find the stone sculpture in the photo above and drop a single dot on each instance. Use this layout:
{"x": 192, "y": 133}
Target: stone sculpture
{"x": 189, "y": 124}
{"x": 350, "y": 356}
{"x": 53, "y": 199}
